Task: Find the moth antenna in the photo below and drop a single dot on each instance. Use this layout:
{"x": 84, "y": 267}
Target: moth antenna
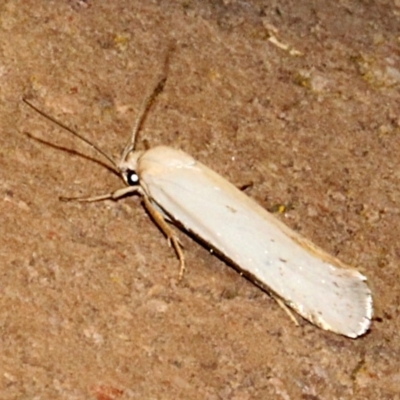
{"x": 146, "y": 105}
{"x": 73, "y": 132}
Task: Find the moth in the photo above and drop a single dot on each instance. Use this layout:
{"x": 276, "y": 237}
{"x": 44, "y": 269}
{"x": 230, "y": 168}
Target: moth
{"x": 178, "y": 189}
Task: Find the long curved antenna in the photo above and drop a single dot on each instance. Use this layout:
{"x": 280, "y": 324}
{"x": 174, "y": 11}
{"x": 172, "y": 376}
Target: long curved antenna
{"x": 145, "y": 106}
{"x": 67, "y": 128}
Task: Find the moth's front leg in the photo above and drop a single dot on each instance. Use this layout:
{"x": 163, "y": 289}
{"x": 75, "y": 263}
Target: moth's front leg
{"x": 108, "y": 196}
{"x": 168, "y": 232}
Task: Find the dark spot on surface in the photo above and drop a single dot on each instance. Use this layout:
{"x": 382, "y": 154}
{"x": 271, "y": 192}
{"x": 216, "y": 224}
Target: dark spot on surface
{"x": 233, "y": 210}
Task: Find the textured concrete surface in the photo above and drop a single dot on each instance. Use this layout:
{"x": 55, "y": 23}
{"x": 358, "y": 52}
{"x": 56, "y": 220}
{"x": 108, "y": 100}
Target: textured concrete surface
{"x": 299, "y": 98}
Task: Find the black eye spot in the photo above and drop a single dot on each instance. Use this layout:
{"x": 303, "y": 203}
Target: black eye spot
{"x": 132, "y": 178}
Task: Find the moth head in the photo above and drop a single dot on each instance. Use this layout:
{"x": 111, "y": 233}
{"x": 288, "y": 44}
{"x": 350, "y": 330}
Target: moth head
{"x": 128, "y": 168}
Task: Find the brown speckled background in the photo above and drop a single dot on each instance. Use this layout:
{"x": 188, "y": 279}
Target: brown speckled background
{"x": 90, "y": 304}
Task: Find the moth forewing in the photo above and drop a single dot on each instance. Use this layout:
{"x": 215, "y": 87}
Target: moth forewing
{"x": 318, "y": 286}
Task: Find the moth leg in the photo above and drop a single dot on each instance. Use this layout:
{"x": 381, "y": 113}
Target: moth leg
{"x": 287, "y": 310}
{"x": 113, "y": 196}
{"x": 168, "y": 232}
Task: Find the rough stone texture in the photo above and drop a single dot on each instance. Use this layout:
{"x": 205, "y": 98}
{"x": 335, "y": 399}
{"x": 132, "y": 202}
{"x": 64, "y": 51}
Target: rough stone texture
{"x": 90, "y": 304}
